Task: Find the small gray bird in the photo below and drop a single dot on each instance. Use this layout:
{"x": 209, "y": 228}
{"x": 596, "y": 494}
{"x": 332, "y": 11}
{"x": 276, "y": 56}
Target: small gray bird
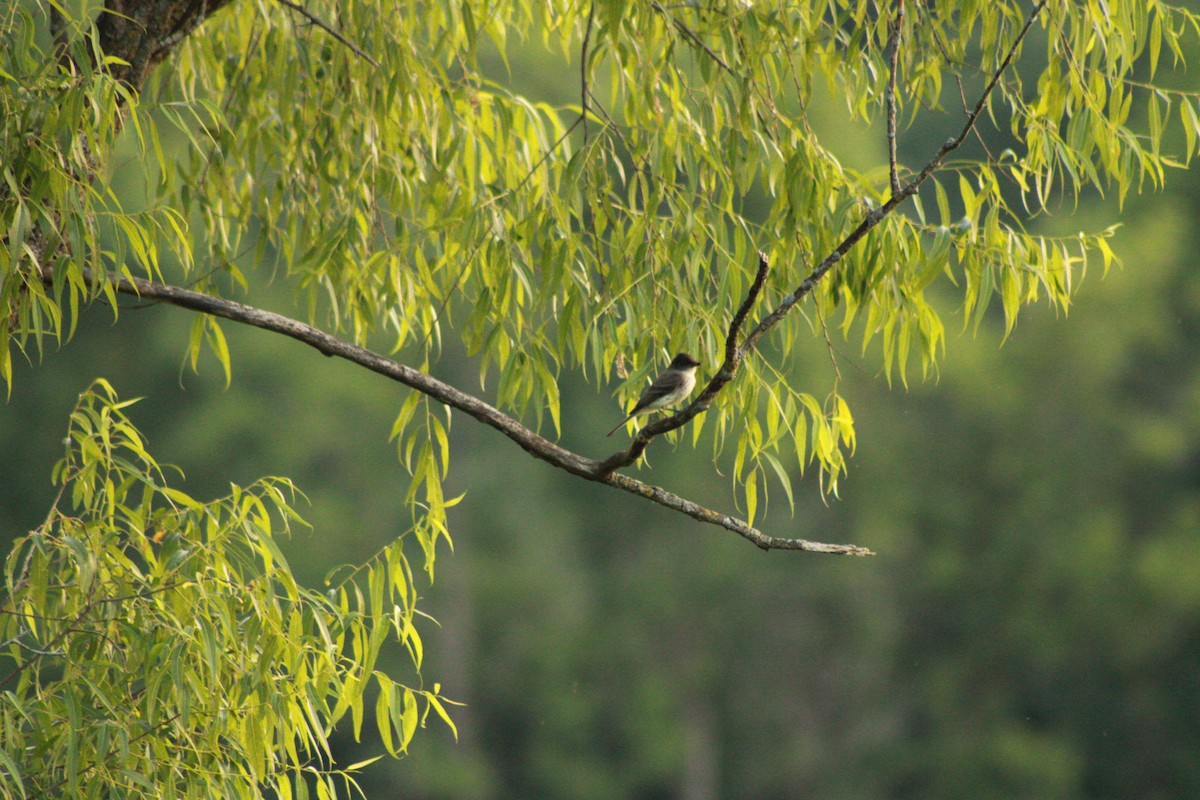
{"x": 674, "y": 384}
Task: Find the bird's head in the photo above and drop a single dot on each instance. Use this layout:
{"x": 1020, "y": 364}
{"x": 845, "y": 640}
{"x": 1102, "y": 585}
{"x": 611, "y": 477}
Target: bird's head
{"x": 684, "y": 361}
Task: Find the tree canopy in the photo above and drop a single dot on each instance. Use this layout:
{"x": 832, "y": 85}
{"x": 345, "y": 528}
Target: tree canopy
{"x": 391, "y": 166}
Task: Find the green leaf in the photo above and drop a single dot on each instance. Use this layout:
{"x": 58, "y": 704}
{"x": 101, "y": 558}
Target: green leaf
{"x": 216, "y": 340}
{"x": 358, "y": 765}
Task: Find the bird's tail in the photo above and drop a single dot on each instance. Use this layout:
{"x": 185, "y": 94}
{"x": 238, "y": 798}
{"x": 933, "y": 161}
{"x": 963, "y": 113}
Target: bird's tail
{"x": 620, "y": 425}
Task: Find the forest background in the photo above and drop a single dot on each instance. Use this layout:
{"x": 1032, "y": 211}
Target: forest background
{"x": 1029, "y": 628}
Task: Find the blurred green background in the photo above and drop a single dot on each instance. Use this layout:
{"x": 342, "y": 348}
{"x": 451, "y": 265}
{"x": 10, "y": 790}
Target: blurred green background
{"x": 1029, "y": 629}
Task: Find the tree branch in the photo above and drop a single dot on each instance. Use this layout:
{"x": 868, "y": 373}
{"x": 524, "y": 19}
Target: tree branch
{"x": 537, "y": 446}
{"x": 531, "y": 442}
{"x": 765, "y": 542}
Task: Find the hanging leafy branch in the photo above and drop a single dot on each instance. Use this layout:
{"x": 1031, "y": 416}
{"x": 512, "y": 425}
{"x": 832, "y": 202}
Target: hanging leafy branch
{"x": 156, "y": 645}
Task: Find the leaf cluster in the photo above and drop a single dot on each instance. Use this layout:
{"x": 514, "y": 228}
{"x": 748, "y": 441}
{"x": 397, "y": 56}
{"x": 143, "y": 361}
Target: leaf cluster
{"x": 154, "y": 645}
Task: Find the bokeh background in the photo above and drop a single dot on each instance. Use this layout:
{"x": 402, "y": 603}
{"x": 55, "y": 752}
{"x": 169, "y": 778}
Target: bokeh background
{"x": 1029, "y": 629}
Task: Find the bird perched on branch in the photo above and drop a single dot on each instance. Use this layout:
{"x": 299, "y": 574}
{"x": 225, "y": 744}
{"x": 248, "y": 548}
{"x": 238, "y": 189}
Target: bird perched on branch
{"x": 674, "y": 384}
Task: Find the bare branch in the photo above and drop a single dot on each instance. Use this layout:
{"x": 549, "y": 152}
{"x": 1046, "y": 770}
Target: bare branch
{"x": 315, "y": 20}
{"x": 531, "y": 442}
{"x": 896, "y": 26}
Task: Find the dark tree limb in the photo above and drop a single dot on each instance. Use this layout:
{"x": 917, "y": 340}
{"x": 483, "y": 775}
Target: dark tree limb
{"x": 143, "y": 32}
{"x": 536, "y": 445}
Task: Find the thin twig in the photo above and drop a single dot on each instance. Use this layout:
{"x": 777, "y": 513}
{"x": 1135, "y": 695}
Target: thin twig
{"x": 978, "y": 136}
{"x": 694, "y": 37}
{"x": 471, "y": 256}
{"x": 896, "y": 26}
{"x": 52, "y": 788}
{"x": 828, "y": 341}
{"x": 716, "y": 58}
{"x": 315, "y": 20}
{"x": 583, "y": 72}
{"x": 225, "y": 102}
{"x": 586, "y": 215}
{"x": 615, "y": 129}
{"x": 51, "y": 647}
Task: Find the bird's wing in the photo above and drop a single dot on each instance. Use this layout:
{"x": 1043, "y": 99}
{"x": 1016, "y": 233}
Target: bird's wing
{"x": 663, "y": 385}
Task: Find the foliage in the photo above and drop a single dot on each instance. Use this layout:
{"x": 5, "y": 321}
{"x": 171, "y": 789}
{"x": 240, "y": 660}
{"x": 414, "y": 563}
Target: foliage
{"x": 1028, "y": 630}
{"x": 156, "y": 645}
{"x": 414, "y": 192}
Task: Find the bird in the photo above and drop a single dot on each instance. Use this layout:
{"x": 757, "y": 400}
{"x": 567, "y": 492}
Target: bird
{"x": 674, "y": 384}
